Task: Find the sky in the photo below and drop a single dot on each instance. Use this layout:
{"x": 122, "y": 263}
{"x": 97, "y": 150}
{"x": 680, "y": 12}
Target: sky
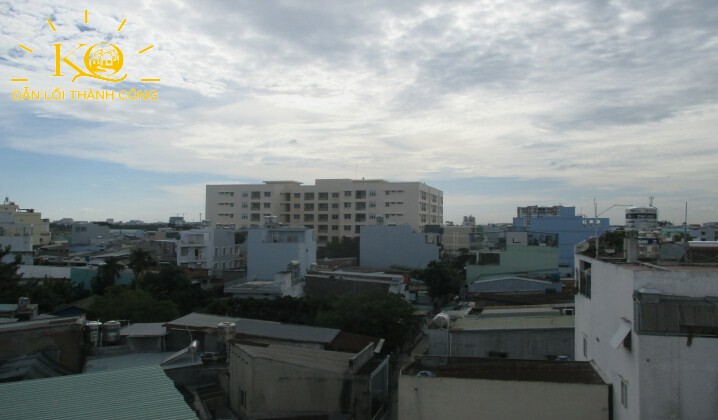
{"x": 499, "y": 104}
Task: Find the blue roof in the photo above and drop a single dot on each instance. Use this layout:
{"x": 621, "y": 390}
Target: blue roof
{"x": 137, "y": 393}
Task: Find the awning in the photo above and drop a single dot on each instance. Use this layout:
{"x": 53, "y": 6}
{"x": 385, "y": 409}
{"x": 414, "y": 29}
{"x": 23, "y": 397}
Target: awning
{"x": 623, "y": 330}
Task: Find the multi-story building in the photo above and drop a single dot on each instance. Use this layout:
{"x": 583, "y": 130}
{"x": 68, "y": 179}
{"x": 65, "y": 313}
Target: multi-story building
{"x": 652, "y": 330}
{"x": 332, "y": 207}
{"x": 17, "y": 221}
{"x": 215, "y": 250}
{"x": 273, "y": 249}
{"x": 563, "y": 221}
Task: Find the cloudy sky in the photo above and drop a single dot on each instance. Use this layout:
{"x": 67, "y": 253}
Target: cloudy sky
{"x": 498, "y": 103}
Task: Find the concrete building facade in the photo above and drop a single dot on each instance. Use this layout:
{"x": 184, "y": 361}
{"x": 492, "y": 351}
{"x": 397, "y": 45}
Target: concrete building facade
{"x": 397, "y": 246}
{"x": 334, "y": 208}
{"x": 272, "y": 249}
{"x": 89, "y": 233}
{"x": 212, "y": 249}
{"x": 17, "y": 221}
{"x": 653, "y": 332}
{"x": 563, "y": 221}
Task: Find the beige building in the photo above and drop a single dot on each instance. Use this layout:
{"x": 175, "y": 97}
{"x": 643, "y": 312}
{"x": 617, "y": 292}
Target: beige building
{"x": 333, "y": 207}
{"x": 15, "y": 221}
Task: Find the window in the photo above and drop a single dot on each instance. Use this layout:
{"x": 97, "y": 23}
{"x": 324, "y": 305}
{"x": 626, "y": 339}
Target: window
{"x": 347, "y": 205}
{"x": 348, "y": 228}
{"x": 361, "y": 206}
{"x": 309, "y": 196}
{"x": 323, "y": 207}
{"x": 297, "y": 206}
{"x": 323, "y": 218}
{"x": 335, "y": 205}
{"x": 323, "y": 196}
{"x": 245, "y": 205}
{"x": 585, "y": 347}
{"x": 347, "y": 193}
{"x": 335, "y": 217}
{"x": 372, "y": 193}
{"x": 372, "y": 204}
{"x": 360, "y": 194}
{"x": 255, "y": 206}
{"x": 423, "y": 206}
{"x": 267, "y": 194}
{"x": 361, "y": 217}
{"x": 335, "y": 227}
{"x": 267, "y": 205}
{"x": 347, "y": 217}
{"x": 256, "y": 195}
{"x": 308, "y": 206}
{"x": 308, "y": 217}
{"x": 584, "y": 279}
{"x": 297, "y": 195}
{"x": 245, "y": 194}
{"x": 624, "y": 393}
{"x": 297, "y": 217}
{"x": 335, "y": 195}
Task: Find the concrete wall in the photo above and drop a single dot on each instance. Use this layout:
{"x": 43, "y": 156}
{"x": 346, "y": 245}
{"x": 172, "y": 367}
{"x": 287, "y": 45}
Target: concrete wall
{"x": 456, "y": 398}
{"x": 513, "y": 285}
{"x": 678, "y": 381}
{"x": 386, "y": 246}
{"x": 532, "y": 344}
{"x": 265, "y": 257}
{"x": 85, "y": 233}
{"x": 518, "y": 259}
{"x": 300, "y": 390}
{"x": 43, "y": 271}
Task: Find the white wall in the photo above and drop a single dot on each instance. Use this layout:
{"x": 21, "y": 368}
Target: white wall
{"x": 455, "y": 398}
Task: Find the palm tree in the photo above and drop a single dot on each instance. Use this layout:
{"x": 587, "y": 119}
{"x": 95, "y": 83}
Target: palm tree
{"x": 106, "y": 275}
{"x": 140, "y": 261}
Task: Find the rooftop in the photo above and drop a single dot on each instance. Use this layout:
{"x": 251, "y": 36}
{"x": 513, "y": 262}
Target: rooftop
{"x": 138, "y": 393}
{"x": 513, "y": 322}
{"x": 677, "y": 315}
{"x": 330, "y": 361}
{"x": 149, "y": 329}
{"x": 198, "y": 320}
{"x": 507, "y": 370}
{"x": 288, "y": 332}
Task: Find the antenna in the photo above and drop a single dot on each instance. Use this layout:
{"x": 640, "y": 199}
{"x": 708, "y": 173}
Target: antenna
{"x": 650, "y": 201}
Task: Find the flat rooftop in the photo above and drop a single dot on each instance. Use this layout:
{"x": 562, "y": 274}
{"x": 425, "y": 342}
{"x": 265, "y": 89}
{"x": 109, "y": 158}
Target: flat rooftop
{"x": 506, "y": 370}
{"x": 513, "y": 322}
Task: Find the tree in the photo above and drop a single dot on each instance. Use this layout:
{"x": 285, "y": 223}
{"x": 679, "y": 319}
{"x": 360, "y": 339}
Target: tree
{"x": 140, "y": 261}
{"x": 121, "y": 303}
{"x": 344, "y": 248}
{"x": 376, "y": 314}
{"x": 442, "y": 280}
{"x": 10, "y": 290}
{"x": 106, "y": 275}
{"x": 172, "y": 284}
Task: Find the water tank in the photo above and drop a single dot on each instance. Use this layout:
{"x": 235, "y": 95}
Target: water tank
{"x": 111, "y": 332}
{"x": 441, "y": 320}
{"x": 642, "y": 219}
{"x": 92, "y": 332}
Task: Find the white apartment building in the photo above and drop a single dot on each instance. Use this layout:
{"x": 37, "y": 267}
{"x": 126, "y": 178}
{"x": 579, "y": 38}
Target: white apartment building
{"x": 17, "y": 221}
{"x": 212, "y": 249}
{"x": 332, "y": 207}
{"x": 652, "y": 330}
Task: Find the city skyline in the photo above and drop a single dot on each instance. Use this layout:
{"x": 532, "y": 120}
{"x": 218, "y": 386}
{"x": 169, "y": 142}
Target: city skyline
{"x": 499, "y": 105}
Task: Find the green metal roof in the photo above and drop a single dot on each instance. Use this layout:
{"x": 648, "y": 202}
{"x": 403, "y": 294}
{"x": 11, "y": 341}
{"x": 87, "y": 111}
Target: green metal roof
{"x": 137, "y": 393}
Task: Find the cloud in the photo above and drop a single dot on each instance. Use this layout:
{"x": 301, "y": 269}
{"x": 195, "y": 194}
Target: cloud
{"x": 597, "y": 95}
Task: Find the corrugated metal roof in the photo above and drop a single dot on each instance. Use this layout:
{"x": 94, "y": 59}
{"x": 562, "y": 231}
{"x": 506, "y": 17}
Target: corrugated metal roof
{"x": 138, "y": 393}
{"x": 330, "y": 361}
{"x": 146, "y": 329}
{"x": 677, "y": 314}
{"x": 290, "y": 332}
{"x": 513, "y": 323}
{"x": 198, "y": 320}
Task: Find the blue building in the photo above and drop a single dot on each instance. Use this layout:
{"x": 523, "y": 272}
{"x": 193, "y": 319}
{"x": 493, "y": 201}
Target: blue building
{"x": 563, "y": 221}
{"x": 397, "y": 246}
{"x": 272, "y": 249}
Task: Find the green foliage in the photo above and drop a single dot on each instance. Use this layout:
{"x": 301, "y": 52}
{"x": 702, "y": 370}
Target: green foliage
{"x": 442, "y": 279}
{"x": 10, "y": 290}
{"x": 106, "y": 275}
{"x": 172, "y": 284}
{"x": 344, "y": 248}
{"x": 240, "y": 237}
{"x": 377, "y": 314}
{"x": 119, "y": 302}
{"x": 140, "y": 261}
{"x": 381, "y": 315}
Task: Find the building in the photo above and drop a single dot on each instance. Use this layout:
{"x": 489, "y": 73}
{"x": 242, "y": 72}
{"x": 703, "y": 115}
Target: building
{"x": 455, "y": 238}
{"x": 652, "y": 330}
{"x": 19, "y": 238}
{"x": 332, "y": 207}
{"x": 338, "y": 282}
{"x": 139, "y": 393}
{"x": 273, "y": 381}
{"x": 274, "y": 249}
{"x": 695, "y": 232}
{"x": 539, "y": 332}
{"x": 90, "y": 234}
{"x": 397, "y": 246}
{"x": 562, "y": 221}
{"x": 14, "y": 220}
{"x": 214, "y": 250}
{"x": 519, "y": 253}
{"x": 471, "y": 388}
